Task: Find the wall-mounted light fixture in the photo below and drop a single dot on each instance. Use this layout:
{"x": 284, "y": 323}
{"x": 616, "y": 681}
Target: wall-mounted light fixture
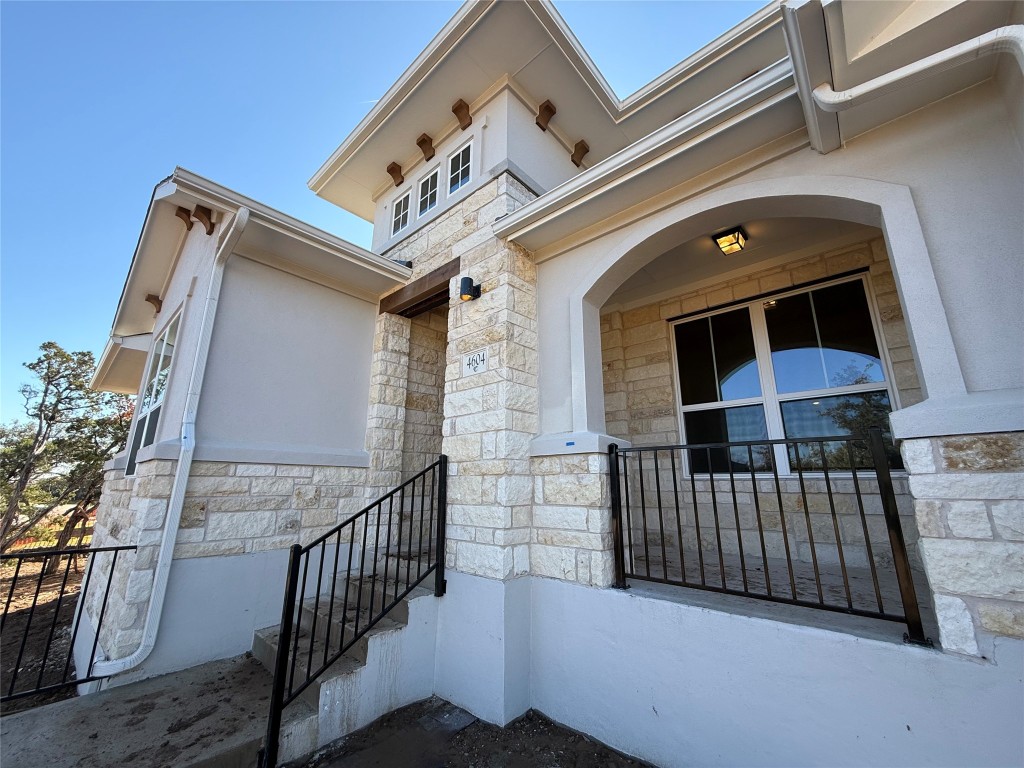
{"x": 731, "y": 240}
{"x": 468, "y": 290}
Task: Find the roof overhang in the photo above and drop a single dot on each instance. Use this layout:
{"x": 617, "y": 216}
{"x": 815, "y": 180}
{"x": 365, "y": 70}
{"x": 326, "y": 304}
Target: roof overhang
{"x": 530, "y": 42}
{"x": 270, "y": 236}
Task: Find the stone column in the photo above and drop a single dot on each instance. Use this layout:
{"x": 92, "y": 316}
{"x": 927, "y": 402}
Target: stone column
{"x": 969, "y": 504}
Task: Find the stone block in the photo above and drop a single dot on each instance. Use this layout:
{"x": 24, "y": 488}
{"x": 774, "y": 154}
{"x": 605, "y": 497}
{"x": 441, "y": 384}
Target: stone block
{"x": 572, "y": 490}
{"x": 554, "y": 562}
{"x": 968, "y": 519}
{"x": 989, "y": 485}
{"x": 1008, "y": 517}
{"x": 272, "y": 486}
{"x": 483, "y": 559}
{"x": 983, "y": 453}
{"x": 140, "y": 586}
{"x": 255, "y": 470}
{"x": 217, "y": 486}
{"x": 571, "y": 518}
{"x": 918, "y": 456}
{"x": 956, "y": 628}
{"x": 1002, "y": 619}
{"x": 930, "y": 516}
{"x": 241, "y": 525}
{"x": 208, "y": 549}
{"x": 975, "y": 568}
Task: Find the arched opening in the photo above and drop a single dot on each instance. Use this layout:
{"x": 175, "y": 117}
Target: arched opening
{"x": 806, "y": 333}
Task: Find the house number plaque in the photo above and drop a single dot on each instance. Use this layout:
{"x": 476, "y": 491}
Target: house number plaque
{"x": 474, "y": 362}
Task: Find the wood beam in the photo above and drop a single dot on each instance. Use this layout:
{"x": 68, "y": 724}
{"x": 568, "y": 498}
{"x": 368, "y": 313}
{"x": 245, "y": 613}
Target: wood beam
{"x": 544, "y": 114}
{"x": 461, "y": 110}
{"x": 426, "y": 145}
{"x": 421, "y": 294}
{"x": 579, "y": 152}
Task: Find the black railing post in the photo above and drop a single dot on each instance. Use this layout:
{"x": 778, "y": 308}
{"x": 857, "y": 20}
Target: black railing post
{"x": 915, "y": 631}
{"x": 268, "y": 755}
{"x": 616, "y": 493}
{"x": 442, "y": 518}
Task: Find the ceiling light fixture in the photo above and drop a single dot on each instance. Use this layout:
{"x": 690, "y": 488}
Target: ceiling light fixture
{"x": 731, "y": 240}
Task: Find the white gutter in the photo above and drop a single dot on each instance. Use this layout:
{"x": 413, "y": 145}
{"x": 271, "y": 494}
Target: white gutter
{"x": 106, "y": 668}
{"x": 1002, "y": 40}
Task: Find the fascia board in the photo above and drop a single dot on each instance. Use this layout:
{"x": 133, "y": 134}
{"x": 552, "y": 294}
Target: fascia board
{"x": 703, "y": 119}
{"x": 230, "y": 201}
{"x": 444, "y": 41}
{"x": 562, "y": 36}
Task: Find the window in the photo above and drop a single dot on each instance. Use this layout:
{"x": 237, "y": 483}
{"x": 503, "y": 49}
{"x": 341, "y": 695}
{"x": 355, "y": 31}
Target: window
{"x": 805, "y": 364}
{"x": 400, "y": 216}
{"x": 458, "y": 169}
{"x": 428, "y": 193}
{"x": 152, "y": 396}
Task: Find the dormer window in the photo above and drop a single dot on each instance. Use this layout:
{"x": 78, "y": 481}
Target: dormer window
{"x": 458, "y": 169}
{"x": 428, "y": 193}
{"x": 400, "y": 218}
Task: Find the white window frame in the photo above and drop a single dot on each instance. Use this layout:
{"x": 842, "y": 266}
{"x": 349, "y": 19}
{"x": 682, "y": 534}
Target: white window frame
{"x": 770, "y": 399}
{"x": 401, "y": 221}
{"x": 469, "y": 168}
{"x": 144, "y": 411}
{"x": 436, "y": 176}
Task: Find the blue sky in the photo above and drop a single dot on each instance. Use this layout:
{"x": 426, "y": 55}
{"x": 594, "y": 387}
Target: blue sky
{"x": 99, "y": 101}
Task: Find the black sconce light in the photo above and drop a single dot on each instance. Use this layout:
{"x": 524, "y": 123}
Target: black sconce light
{"x": 467, "y": 290}
{"x": 731, "y": 240}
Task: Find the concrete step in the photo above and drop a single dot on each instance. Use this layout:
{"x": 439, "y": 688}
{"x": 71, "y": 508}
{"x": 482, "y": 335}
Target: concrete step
{"x": 389, "y": 666}
{"x": 213, "y": 714}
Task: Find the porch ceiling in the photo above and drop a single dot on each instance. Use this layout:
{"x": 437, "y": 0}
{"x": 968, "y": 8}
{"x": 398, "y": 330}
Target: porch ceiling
{"x": 698, "y": 261}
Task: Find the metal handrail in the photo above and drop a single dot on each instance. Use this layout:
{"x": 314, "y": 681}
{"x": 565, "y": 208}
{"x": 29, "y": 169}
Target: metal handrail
{"x": 55, "y": 667}
{"x": 657, "y": 525}
{"x": 289, "y": 678}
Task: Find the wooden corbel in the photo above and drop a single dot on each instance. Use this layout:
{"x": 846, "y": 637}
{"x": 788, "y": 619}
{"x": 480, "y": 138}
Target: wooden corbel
{"x": 544, "y": 114}
{"x": 396, "y": 173}
{"x": 579, "y": 152}
{"x": 155, "y": 300}
{"x": 204, "y": 216}
{"x": 426, "y": 145}
{"x": 461, "y": 110}
{"x": 185, "y": 215}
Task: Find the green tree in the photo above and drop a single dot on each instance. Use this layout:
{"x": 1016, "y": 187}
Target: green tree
{"x": 56, "y": 457}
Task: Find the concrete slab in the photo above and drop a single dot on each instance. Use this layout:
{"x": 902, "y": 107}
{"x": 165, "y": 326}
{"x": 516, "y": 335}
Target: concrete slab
{"x": 213, "y": 714}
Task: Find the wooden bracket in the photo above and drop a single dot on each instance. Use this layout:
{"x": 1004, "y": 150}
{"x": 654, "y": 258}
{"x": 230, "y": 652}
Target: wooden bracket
{"x": 204, "y": 216}
{"x": 544, "y": 114}
{"x": 579, "y": 152}
{"x": 426, "y": 145}
{"x": 185, "y": 215}
{"x": 156, "y": 301}
{"x": 396, "y": 173}
{"x": 461, "y": 110}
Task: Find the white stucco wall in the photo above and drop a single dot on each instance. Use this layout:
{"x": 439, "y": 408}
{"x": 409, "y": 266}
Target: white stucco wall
{"x": 968, "y": 198}
{"x": 537, "y": 153}
{"x": 289, "y": 366}
{"x": 680, "y": 685}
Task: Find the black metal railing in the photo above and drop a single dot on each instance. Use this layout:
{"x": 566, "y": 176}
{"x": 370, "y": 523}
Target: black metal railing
{"x": 45, "y": 595}
{"x": 723, "y": 517}
{"x": 343, "y": 583}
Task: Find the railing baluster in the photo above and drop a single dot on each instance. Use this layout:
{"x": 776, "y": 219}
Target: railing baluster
{"x": 103, "y": 612}
{"x": 807, "y": 517}
{"x": 10, "y": 592}
{"x": 904, "y": 576}
{"x": 83, "y": 596}
{"x": 330, "y": 603}
{"x": 679, "y": 515}
{"x": 643, "y": 512}
{"x": 53, "y": 624}
{"x": 298, "y": 619}
{"x": 616, "y": 516}
{"x": 736, "y": 514}
{"x": 835, "y": 525}
{"x": 316, "y": 607}
{"x": 757, "y": 514}
{"x": 661, "y": 516}
{"x": 718, "y": 526}
{"x": 696, "y": 520}
{"x": 398, "y": 545}
{"x": 628, "y": 521}
{"x": 28, "y": 624}
{"x": 782, "y": 522}
{"x": 440, "y": 584}
{"x": 864, "y": 525}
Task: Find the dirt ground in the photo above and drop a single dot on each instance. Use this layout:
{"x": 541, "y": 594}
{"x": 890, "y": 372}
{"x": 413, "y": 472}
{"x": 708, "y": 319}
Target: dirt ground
{"x": 45, "y": 636}
{"x": 436, "y": 734}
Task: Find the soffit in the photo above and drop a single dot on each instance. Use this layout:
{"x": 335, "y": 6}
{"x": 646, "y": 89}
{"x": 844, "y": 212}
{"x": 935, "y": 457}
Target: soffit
{"x": 699, "y": 259}
{"x": 867, "y": 40}
{"x": 531, "y": 43}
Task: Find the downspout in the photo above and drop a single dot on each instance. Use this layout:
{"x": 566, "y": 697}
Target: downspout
{"x": 1002, "y": 40}
{"x": 106, "y": 668}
